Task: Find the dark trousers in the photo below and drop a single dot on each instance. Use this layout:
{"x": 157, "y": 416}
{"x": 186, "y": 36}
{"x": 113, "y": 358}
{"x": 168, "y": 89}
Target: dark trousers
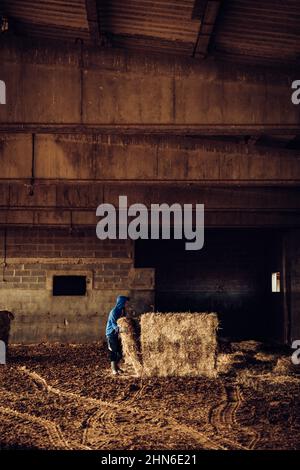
{"x": 114, "y": 346}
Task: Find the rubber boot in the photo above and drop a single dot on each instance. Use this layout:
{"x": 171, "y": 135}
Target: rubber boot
{"x": 114, "y": 368}
{"x": 120, "y": 371}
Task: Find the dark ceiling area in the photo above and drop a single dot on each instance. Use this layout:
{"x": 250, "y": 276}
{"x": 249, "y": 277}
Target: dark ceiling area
{"x": 252, "y": 31}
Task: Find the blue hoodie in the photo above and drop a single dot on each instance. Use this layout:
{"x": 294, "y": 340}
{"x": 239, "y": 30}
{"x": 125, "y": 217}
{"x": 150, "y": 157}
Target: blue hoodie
{"x": 115, "y": 314}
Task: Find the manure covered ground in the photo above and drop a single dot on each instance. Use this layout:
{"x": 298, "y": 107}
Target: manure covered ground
{"x": 55, "y": 396}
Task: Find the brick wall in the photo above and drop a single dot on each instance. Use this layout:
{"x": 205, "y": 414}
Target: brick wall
{"x": 61, "y": 243}
{"x": 33, "y": 256}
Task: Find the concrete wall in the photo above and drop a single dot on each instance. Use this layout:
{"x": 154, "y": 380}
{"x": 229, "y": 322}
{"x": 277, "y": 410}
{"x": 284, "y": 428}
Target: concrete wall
{"x": 82, "y": 126}
{"x": 73, "y": 174}
{"x": 60, "y": 204}
{"x": 73, "y": 84}
{"x": 33, "y": 256}
{"x": 104, "y": 158}
{"x": 72, "y": 105}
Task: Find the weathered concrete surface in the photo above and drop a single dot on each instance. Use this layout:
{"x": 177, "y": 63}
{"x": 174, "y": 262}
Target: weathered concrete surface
{"x": 88, "y": 195}
{"x": 60, "y": 204}
{"x": 15, "y": 151}
{"x": 70, "y": 85}
{"x": 169, "y": 170}
{"x": 128, "y": 97}
{"x": 101, "y": 158}
{"x": 68, "y": 157}
{"x": 213, "y": 218}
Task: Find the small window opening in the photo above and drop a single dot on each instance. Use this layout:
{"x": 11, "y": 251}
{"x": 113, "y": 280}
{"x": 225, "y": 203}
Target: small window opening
{"x": 69, "y": 285}
{"x": 276, "y": 282}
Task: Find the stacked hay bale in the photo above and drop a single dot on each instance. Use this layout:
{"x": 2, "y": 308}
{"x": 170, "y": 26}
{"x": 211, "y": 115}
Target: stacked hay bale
{"x": 129, "y": 341}
{"x": 179, "y": 344}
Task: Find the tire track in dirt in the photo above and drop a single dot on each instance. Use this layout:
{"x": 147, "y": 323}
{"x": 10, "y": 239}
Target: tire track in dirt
{"x": 255, "y": 435}
{"x": 214, "y": 441}
{"x": 107, "y": 427}
{"x": 224, "y": 420}
{"x": 174, "y": 426}
{"x": 53, "y": 430}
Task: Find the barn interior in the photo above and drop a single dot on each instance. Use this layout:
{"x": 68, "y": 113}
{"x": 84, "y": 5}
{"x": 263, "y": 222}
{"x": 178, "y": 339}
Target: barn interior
{"x": 165, "y": 101}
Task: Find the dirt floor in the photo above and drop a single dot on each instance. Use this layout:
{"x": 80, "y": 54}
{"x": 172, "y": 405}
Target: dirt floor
{"x": 63, "y": 397}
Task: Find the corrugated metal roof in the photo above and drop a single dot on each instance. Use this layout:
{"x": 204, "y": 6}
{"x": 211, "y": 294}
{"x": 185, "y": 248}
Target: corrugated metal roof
{"x": 154, "y": 25}
{"x": 256, "y": 31}
{"x": 55, "y": 12}
{"x": 259, "y": 30}
{"x": 54, "y": 19}
{"x": 166, "y": 19}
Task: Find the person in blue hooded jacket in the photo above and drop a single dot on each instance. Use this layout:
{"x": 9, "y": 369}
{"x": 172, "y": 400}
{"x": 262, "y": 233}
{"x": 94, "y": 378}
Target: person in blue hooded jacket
{"x": 112, "y": 332}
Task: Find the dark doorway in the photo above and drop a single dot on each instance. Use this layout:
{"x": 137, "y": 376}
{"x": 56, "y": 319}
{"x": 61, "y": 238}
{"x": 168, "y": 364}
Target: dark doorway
{"x": 231, "y": 275}
{"x": 69, "y": 285}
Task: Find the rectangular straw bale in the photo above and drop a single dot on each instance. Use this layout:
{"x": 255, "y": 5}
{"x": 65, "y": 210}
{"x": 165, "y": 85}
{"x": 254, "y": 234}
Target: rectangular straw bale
{"x": 131, "y": 353}
{"x": 179, "y": 344}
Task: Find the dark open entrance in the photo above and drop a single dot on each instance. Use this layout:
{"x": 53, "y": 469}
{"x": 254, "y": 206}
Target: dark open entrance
{"x": 231, "y": 275}
{"x": 69, "y": 285}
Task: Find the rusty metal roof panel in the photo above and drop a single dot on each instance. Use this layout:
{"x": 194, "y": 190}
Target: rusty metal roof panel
{"x": 54, "y": 18}
{"x": 166, "y": 19}
{"x": 255, "y": 30}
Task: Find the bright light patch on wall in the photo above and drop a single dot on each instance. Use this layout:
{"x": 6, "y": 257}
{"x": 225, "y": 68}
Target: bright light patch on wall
{"x": 3, "y": 24}
{"x": 276, "y": 282}
{"x": 2, "y": 92}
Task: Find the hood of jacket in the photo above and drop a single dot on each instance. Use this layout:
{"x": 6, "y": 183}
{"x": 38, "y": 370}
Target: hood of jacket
{"x": 121, "y": 300}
